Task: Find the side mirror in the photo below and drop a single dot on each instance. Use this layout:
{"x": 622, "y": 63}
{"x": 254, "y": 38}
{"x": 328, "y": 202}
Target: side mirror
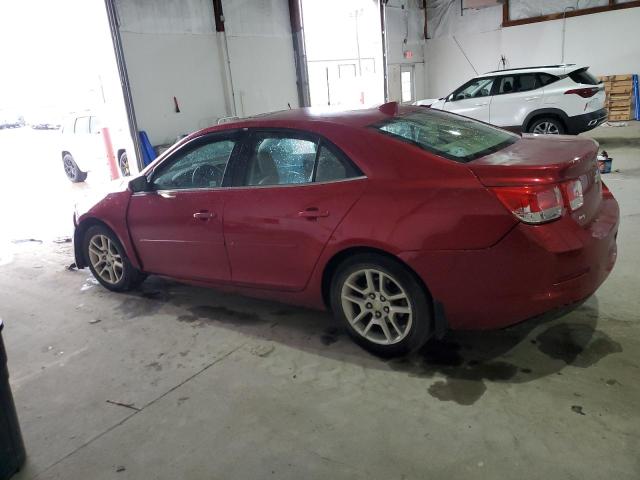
{"x": 140, "y": 184}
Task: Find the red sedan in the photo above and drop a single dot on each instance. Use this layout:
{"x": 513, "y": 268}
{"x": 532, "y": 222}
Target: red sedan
{"x": 404, "y": 222}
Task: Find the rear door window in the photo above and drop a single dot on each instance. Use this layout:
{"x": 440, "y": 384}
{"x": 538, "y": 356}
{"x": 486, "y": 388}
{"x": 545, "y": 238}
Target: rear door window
{"x": 82, "y": 125}
{"x": 276, "y": 160}
{"x": 292, "y": 158}
{"x": 332, "y": 166}
{"x": 526, "y": 82}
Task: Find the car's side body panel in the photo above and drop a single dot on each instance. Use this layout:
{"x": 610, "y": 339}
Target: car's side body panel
{"x": 111, "y": 211}
{"x": 171, "y": 241}
{"x": 272, "y": 235}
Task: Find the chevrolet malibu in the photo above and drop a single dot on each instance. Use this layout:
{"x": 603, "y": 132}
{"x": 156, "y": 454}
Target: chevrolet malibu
{"x": 403, "y": 222}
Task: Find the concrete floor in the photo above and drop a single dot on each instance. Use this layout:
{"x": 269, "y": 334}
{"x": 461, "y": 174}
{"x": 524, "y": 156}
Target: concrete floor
{"x": 181, "y": 382}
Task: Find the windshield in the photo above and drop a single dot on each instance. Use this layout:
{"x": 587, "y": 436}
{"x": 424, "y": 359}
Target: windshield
{"x": 451, "y": 136}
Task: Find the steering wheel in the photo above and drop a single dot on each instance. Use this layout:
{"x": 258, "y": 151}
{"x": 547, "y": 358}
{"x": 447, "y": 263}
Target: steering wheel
{"x": 204, "y": 174}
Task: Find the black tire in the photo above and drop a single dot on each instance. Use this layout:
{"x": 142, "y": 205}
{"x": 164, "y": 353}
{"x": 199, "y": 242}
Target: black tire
{"x": 547, "y": 126}
{"x": 72, "y": 170}
{"x": 123, "y": 163}
{"x": 417, "y": 331}
{"x": 130, "y": 278}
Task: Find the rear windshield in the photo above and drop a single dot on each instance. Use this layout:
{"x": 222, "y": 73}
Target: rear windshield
{"x": 583, "y": 76}
{"x": 451, "y": 136}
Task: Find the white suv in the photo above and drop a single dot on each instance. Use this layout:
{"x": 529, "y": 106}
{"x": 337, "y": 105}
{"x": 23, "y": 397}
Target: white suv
{"x": 83, "y": 148}
{"x": 555, "y": 99}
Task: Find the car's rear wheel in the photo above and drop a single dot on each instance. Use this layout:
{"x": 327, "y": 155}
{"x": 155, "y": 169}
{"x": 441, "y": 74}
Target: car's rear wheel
{"x": 108, "y": 261}
{"x": 382, "y": 304}
{"x": 72, "y": 170}
{"x": 547, "y": 126}
{"x": 123, "y": 162}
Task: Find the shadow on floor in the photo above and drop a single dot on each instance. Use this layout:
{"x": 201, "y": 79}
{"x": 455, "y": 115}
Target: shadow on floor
{"x": 460, "y": 365}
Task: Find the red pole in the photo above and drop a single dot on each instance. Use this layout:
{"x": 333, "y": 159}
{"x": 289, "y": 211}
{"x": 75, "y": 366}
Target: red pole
{"x": 111, "y": 158}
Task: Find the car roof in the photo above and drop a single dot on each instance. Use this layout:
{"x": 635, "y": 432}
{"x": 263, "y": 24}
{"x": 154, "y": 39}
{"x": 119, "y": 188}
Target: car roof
{"x": 307, "y": 118}
{"x": 552, "y": 69}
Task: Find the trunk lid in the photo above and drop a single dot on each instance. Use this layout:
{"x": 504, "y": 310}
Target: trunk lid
{"x": 540, "y": 160}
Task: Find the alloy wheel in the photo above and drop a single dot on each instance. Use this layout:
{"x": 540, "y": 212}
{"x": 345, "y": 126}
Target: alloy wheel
{"x": 124, "y": 165}
{"x": 70, "y": 167}
{"x": 376, "y": 306}
{"x": 106, "y": 259}
{"x": 546, "y": 128}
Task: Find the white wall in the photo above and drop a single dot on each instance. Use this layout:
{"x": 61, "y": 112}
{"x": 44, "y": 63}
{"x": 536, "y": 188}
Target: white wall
{"x": 172, "y": 49}
{"x": 407, "y": 22}
{"x": 605, "y": 41}
{"x": 261, "y": 53}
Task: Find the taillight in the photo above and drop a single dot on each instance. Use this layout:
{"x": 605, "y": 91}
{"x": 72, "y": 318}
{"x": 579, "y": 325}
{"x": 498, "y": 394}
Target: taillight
{"x": 573, "y": 191}
{"x": 583, "y": 92}
{"x": 532, "y": 204}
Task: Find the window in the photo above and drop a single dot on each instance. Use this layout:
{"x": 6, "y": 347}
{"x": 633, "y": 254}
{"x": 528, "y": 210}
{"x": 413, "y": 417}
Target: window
{"x": 479, "y": 87}
{"x": 331, "y": 168}
{"x": 281, "y": 161}
{"x": 517, "y": 83}
{"x": 526, "y": 82}
{"x": 368, "y": 65}
{"x": 347, "y": 70}
{"x": 453, "y": 137}
{"x": 82, "y": 125}
{"x": 506, "y": 85}
{"x": 547, "y": 78}
{"x": 277, "y": 159}
{"x": 95, "y": 126}
{"x": 406, "y": 81}
{"x": 200, "y": 167}
{"x": 584, "y": 77}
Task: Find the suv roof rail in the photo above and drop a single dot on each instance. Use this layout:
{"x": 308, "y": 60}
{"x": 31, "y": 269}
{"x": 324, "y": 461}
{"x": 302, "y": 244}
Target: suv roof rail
{"x": 530, "y": 68}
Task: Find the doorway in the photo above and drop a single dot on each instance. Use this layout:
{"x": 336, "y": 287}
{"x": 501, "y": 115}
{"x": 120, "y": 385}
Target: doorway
{"x": 344, "y": 52}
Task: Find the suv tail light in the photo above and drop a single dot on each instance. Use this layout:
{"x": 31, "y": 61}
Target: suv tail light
{"x": 583, "y": 92}
{"x": 532, "y": 204}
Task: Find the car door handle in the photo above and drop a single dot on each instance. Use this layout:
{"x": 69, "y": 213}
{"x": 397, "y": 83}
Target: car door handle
{"x": 313, "y": 213}
{"x": 528, "y": 99}
{"x": 167, "y": 194}
{"x": 204, "y": 215}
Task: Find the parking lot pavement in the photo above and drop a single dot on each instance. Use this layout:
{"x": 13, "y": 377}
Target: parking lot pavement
{"x": 36, "y": 198}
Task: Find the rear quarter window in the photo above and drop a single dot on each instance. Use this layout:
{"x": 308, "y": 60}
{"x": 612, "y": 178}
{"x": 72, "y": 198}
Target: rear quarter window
{"x": 451, "y": 136}
{"x": 584, "y": 77}
{"x": 547, "y": 78}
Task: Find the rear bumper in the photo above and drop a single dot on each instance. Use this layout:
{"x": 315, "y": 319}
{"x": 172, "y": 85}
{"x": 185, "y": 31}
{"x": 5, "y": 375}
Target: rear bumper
{"x": 532, "y": 270}
{"x": 587, "y": 121}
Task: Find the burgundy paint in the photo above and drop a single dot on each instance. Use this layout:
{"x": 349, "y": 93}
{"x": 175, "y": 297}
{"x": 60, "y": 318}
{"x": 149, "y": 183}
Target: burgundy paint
{"x": 439, "y": 217}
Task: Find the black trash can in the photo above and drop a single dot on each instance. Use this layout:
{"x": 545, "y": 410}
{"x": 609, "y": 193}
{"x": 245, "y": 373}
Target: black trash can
{"x": 12, "y": 454}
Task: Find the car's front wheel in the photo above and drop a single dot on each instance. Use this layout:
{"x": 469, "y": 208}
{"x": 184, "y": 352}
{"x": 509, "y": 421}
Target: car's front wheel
{"x": 382, "y": 304}
{"x": 72, "y": 170}
{"x": 547, "y": 126}
{"x": 108, "y": 261}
